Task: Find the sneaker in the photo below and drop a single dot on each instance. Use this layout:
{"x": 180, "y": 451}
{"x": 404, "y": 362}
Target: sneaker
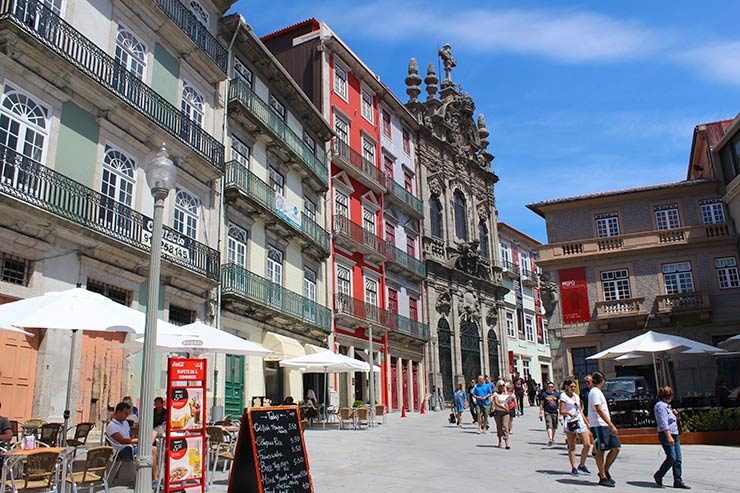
{"x": 508, "y": 448}
{"x": 478, "y": 432}
{"x": 658, "y": 481}
{"x": 574, "y": 472}
{"x": 549, "y": 443}
{"x": 606, "y": 482}
{"x": 584, "y": 469}
{"x": 681, "y": 485}
{"x": 609, "y": 477}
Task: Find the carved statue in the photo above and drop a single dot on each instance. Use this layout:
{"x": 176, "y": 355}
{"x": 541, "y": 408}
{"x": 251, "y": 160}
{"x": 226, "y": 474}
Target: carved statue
{"x": 492, "y": 316}
{"x": 468, "y": 306}
{"x": 444, "y": 303}
{"x": 447, "y": 60}
{"x": 469, "y": 261}
{"x": 548, "y": 294}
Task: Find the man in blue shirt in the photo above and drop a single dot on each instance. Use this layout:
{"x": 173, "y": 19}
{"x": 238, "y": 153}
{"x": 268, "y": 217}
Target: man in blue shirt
{"x": 482, "y": 393}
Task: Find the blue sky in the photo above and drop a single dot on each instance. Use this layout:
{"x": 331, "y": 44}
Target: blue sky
{"x": 579, "y": 96}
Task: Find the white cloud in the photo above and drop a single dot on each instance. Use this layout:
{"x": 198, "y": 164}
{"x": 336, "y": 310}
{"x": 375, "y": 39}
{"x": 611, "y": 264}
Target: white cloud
{"x": 716, "y": 60}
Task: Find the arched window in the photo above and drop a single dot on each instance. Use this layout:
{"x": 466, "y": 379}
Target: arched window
{"x": 186, "y": 214}
{"x": 193, "y": 104}
{"x": 493, "y": 361}
{"x": 461, "y": 216}
{"x": 435, "y": 208}
{"x": 237, "y": 246}
{"x": 118, "y": 176}
{"x": 483, "y": 239}
{"x": 24, "y": 127}
{"x": 130, "y": 52}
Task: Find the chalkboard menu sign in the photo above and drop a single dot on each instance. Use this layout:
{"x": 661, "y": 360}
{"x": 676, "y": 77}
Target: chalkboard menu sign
{"x": 271, "y": 454}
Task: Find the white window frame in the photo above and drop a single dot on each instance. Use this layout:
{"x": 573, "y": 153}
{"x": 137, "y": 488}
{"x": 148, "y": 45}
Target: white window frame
{"x": 34, "y": 123}
{"x": 344, "y": 286}
{"x": 277, "y": 180}
{"x": 310, "y": 286}
{"x": 727, "y": 272}
{"x": 510, "y": 324}
{"x": 529, "y": 328}
{"x": 370, "y": 281}
{"x": 341, "y": 204}
{"x": 368, "y": 150}
{"x": 186, "y": 221}
{"x": 240, "y": 152}
{"x": 615, "y": 284}
{"x": 117, "y": 177}
{"x": 275, "y": 263}
{"x": 389, "y": 133}
{"x": 667, "y": 217}
{"x": 678, "y": 277}
{"x": 370, "y": 219}
{"x": 243, "y": 73}
{"x": 309, "y": 142}
{"x": 341, "y": 80}
{"x": 505, "y": 251}
{"x": 712, "y": 211}
{"x": 277, "y": 107}
{"x": 366, "y": 105}
{"x": 237, "y": 246}
{"x": 607, "y": 225}
{"x": 545, "y": 336}
{"x": 341, "y": 128}
{"x": 128, "y": 54}
{"x": 309, "y": 208}
{"x": 193, "y": 104}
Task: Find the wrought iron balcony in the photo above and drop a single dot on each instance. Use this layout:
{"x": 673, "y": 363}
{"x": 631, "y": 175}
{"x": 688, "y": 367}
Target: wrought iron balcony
{"x": 356, "y": 313}
{"x": 356, "y": 165}
{"x": 245, "y": 182}
{"x": 510, "y": 269}
{"x": 396, "y": 257}
{"x": 33, "y": 17}
{"x": 398, "y": 194}
{"x": 31, "y": 182}
{"x": 691, "y": 302}
{"x": 196, "y": 31}
{"x": 243, "y": 96}
{"x": 272, "y": 300}
{"x": 529, "y": 278}
{"x": 354, "y": 237}
{"x": 406, "y": 326}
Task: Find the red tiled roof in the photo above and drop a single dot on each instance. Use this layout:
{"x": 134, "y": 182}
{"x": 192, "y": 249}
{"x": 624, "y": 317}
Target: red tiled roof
{"x": 312, "y": 22}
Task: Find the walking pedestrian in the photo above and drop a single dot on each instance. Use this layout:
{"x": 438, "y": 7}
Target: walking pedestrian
{"x": 531, "y": 390}
{"x": 459, "y": 403}
{"x": 549, "y": 411}
{"x": 667, "y": 419}
{"x": 501, "y": 413}
{"x": 482, "y": 393}
{"x": 519, "y": 392}
{"x": 471, "y": 402}
{"x": 589, "y": 384}
{"x": 606, "y": 437}
{"x": 512, "y": 406}
{"x": 575, "y": 424}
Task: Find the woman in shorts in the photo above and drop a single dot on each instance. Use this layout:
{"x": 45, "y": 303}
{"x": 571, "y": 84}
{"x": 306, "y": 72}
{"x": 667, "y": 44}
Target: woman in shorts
{"x": 575, "y": 424}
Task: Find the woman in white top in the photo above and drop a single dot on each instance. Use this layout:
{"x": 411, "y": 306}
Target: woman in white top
{"x": 575, "y": 423}
{"x": 501, "y": 413}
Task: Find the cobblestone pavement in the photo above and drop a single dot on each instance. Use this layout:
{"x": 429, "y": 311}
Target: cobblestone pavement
{"x": 423, "y": 453}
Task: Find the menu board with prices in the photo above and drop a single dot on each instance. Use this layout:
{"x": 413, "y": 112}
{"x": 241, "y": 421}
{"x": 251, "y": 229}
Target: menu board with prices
{"x": 271, "y": 453}
{"x": 185, "y": 457}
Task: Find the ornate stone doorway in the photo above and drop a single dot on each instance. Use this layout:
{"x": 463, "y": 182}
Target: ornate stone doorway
{"x": 493, "y": 362}
{"x": 470, "y": 346}
{"x": 444, "y": 337}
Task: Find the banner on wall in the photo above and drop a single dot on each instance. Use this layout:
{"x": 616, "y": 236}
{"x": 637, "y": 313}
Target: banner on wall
{"x": 538, "y": 317}
{"x": 574, "y": 295}
{"x": 185, "y": 453}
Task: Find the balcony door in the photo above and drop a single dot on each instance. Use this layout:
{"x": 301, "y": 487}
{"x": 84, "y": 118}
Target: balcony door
{"x": 372, "y": 312}
{"x": 130, "y": 54}
{"x": 117, "y": 188}
{"x": 309, "y": 292}
{"x": 343, "y": 302}
{"x": 240, "y": 152}
{"x": 275, "y": 275}
{"x": 236, "y": 246}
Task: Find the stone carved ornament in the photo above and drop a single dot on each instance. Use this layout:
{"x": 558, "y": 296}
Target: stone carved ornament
{"x": 468, "y": 259}
{"x": 468, "y": 306}
{"x": 444, "y": 303}
{"x": 548, "y": 294}
{"x": 492, "y": 316}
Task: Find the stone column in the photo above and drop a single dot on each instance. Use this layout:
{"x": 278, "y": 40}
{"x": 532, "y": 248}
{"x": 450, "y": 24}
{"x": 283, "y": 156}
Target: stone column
{"x": 399, "y": 382}
{"x": 410, "y": 379}
{"x": 457, "y": 367}
{"x": 350, "y": 379}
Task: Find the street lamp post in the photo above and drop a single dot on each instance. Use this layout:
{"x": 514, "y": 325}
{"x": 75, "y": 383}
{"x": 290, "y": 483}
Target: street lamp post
{"x": 371, "y": 361}
{"x": 161, "y": 174}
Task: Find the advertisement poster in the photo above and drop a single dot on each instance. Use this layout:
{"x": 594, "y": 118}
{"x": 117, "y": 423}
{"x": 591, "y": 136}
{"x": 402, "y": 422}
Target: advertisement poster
{"x": 538, "y": 311}
{"x": 574, "y": 295}
{"x": 287, "y": 211}
{"x": 186, "y": 434}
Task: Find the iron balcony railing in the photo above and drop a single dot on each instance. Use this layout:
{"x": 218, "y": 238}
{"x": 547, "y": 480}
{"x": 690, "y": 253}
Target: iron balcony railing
{"x": 238, "y": 281}
{"x": 33, "y": 17}
{"x": 511, "y": 267}
{"x": 243, "y": 95}
{"x": 398, "y": 256}
{"x": 409, "y": 327}
{"x": 358, "y": 161}
{"x": 344, "y": 226}
{"x": 196, "y": 31}
{"x": 397, "y": 190}
{"x": 347, "y": 305}
{"x": 31, "y": 182}
{"x": 247, "y": 182}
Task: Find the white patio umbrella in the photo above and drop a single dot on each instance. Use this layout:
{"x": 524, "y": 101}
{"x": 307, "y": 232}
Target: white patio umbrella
{"x": 327, "y": 362}
{"x": 731, "y": 344}
{"x": 74, "y": 309}
{"x": 200, "y": 338}
{"x": 16, "y": 330}
{"x": 651, "y": 343}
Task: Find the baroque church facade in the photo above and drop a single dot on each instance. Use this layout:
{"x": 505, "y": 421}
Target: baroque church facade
{"x": 463, "y": 289}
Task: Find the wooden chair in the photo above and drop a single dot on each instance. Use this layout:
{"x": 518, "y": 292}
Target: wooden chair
{"x": 347, "y": 414}
{"x": 217, "y": 445}
{"x": 380, "y": 411}
{"x": 79, "y": 439}
{"x": 37, "y": 472}
{"x": 94, "y": 474}
{"x": 363, "y": 415}
{"x": 49, "y": 433}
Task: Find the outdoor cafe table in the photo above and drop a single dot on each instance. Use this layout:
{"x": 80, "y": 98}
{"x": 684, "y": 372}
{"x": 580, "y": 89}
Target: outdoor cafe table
{"x": 12, "y": 457}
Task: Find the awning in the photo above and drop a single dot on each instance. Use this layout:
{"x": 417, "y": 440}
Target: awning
{"x": 282, "y": 347}
{"x": 311, "y": 349}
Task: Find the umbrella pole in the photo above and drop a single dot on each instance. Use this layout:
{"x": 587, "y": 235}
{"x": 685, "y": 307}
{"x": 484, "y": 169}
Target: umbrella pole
{"x": 326, "y": 395}
{"x": 655, "y": 370}
{"x": 68, "y": 402}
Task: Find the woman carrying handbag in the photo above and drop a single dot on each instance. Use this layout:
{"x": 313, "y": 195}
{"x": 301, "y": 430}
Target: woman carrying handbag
{"x": 571, "y": 409}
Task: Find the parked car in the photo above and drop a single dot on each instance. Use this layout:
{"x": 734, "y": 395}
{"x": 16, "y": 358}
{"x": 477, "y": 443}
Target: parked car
{"x": 626, "y": 388}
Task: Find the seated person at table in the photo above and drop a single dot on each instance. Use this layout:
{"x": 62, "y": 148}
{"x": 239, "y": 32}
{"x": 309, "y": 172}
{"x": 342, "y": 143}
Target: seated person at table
{"x": 311, "y": 405}
{"x": 160, "y": 412}
{"x": 6, "y": 434}
{"x": 288, "y": 401}
{"x": 119, "y": 434}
